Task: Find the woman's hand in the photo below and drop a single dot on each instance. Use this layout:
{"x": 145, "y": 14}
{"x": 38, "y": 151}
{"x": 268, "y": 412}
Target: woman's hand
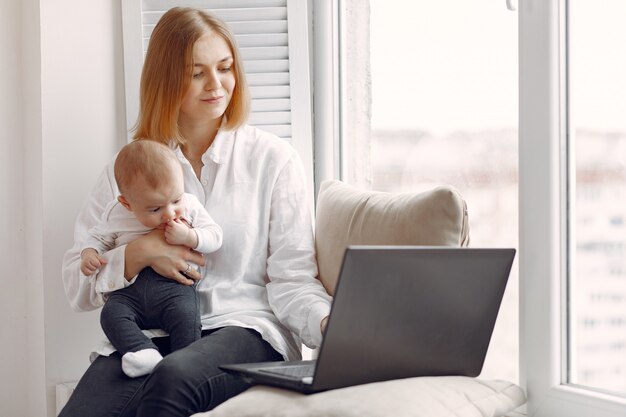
{"x": 167, "y": 260}
{"x": 323, "y": 324}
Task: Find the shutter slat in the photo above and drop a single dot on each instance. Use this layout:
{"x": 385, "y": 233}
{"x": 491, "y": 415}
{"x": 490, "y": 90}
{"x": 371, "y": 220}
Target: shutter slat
{"x": 270, "y": 39}
{"x": 270, "y": 92}
{"x": 270, "y": 118}
{"x": 263, "y": 66}
{"x": 270, "y": 104}
{"x": 230, "y": 15}
{"x": 261, "y": 27}
{"x": 152, "y": 5}
{"x": 270, "y": 52}
{"x": 283, "y": 131}
{"x": 249, "y": 41}
{"x": 268, "y": 79}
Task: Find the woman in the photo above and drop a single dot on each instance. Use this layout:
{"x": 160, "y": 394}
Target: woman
{"x": 259, "y": 295}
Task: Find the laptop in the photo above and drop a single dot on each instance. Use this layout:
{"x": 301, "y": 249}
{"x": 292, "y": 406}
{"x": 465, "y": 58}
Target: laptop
{"x": 400, "y": 312}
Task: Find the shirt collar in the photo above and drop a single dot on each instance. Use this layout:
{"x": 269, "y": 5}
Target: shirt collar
{"x": 220, "y": 150}
{"x": 222, "y": 146}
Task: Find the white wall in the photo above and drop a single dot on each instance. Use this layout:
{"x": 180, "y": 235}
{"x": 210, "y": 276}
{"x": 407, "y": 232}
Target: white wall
{"x": 61, "y": 120}
{"x": 12, "y": 237}
{"x": 83, "y": 125}
{"x": 30, "y": 92}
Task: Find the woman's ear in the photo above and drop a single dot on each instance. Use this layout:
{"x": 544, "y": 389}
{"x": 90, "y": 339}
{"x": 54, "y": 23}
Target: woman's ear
{"x": 124, "y": 202}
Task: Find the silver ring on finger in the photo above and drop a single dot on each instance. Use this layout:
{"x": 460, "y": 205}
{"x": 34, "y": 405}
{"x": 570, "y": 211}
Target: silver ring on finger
{"x": 187, "y": 270}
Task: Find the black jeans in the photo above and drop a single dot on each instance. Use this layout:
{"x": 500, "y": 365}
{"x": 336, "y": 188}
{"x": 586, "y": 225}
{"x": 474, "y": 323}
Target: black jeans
{"x": 152, "y": 302}
{"x": 185, "y": 382}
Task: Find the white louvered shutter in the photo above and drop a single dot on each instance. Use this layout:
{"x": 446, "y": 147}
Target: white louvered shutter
{"x": 273, "y": 40}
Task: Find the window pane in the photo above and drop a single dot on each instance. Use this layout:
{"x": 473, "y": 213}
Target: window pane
{"x": 597, "y": 130}
{"x": 441, "y": 78}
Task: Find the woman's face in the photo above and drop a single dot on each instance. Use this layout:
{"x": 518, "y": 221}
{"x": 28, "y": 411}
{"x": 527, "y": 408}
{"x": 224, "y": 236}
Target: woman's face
{"x": 212, "y": 82}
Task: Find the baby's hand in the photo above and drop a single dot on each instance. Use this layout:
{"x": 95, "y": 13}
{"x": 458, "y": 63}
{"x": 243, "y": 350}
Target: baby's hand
{"x": 178, "y": 233}
{"x": 91, "y": 261}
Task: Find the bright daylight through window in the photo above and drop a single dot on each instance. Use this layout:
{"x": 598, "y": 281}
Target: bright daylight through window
{"x": 441, "y": 78}
{"x": 597, "y": 140}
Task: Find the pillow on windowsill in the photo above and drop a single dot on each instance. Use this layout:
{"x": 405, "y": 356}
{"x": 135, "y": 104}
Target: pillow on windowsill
{"x": 346, "y": 215}
{"x": 444, "y": 396}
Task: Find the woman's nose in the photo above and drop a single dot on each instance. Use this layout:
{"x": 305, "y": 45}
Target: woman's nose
{"x": 212, "y": 82}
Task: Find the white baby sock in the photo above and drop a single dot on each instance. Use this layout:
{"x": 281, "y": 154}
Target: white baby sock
{"x": 140, "y": 363}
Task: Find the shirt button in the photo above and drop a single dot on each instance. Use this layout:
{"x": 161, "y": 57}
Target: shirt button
{"x": 205, "y": 182}
{"x": 111, "y": 285}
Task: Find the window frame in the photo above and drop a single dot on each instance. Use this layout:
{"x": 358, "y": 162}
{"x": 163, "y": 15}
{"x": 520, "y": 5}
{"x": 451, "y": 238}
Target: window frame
{"x": 543, "y": 215}
{"x": 326, "y": 104}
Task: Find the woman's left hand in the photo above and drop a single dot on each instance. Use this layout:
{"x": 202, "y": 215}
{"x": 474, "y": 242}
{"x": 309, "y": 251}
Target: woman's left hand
{"x": 323, "y": 324}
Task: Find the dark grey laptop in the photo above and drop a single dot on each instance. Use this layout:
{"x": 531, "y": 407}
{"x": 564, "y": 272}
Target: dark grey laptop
{"x": 399, "y": 312}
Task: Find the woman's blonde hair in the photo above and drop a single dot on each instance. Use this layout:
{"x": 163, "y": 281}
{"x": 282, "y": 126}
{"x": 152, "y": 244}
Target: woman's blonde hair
{"x": 168, "y": 69}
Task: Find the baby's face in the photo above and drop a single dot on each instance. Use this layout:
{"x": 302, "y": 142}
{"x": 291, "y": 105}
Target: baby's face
{"x": 154, "y": 208}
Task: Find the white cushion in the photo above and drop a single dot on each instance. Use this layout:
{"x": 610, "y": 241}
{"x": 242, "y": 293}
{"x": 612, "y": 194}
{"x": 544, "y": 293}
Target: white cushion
{"x": 446, "y": 396}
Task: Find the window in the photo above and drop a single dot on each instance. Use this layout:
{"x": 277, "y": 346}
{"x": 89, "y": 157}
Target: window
{"x": 552, "y": 194}
{"x": 568, "y": 247}
{"x": 428, "y": 97}
{"x": 597, "y": 141}
{"x": 557, "y": 201}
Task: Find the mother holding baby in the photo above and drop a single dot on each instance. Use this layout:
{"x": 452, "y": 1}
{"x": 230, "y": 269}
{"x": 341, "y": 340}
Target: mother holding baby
{"x": 259, "y": 296}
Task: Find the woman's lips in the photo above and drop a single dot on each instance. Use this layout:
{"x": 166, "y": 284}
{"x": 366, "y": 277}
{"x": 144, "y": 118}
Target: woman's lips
{"x": 213, "y": 100}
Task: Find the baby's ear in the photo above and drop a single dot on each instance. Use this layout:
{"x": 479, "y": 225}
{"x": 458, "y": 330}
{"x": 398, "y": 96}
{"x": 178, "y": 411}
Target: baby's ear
{"x": 124, "y": 202}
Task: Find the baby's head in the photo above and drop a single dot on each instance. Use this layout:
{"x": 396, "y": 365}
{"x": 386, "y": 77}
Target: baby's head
{"x": 150, "y": 179}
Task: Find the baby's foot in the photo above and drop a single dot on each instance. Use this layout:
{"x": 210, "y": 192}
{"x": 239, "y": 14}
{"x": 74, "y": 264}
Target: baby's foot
{"x": 140, "y": 363}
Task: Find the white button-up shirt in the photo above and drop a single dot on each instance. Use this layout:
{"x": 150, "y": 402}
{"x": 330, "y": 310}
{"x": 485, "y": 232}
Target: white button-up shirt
{"x": 264, "y": 275}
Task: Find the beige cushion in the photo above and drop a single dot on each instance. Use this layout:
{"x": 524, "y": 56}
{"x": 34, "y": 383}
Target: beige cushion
{"x": 446, "y": 396}
{"x": 346, "y": 216}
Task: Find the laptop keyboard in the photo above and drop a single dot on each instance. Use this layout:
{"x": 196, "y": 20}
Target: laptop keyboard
{"x": 296, "y": 371}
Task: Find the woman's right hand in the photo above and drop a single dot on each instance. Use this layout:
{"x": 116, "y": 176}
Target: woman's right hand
{"x": 167, "y": 260}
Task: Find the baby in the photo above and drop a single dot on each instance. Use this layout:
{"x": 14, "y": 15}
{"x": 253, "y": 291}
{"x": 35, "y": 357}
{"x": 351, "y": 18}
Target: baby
{"x": 150, "y": 179}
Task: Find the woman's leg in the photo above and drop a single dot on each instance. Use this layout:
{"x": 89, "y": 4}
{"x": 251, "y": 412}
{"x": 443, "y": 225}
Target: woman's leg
{"x": 104, "y": 391}
{"x": 189, "y": 381}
